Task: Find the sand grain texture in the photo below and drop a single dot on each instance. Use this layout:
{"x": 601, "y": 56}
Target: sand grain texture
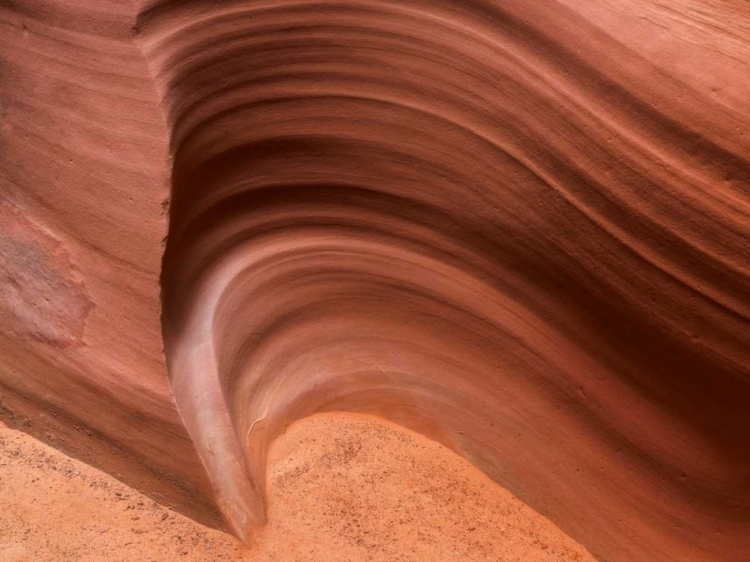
{"x": 341, "y": 488}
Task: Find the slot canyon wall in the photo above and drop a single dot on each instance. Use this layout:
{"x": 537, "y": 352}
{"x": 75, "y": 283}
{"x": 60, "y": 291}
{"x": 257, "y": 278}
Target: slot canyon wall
{"x": 519, "y": 228}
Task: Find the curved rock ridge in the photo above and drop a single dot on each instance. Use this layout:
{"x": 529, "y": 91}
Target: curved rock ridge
{"x": 521, "y": 229}
{"x": 515, "y": 229}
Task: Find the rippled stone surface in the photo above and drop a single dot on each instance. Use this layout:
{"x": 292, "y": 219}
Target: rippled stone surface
{"x": 519, "y": 229}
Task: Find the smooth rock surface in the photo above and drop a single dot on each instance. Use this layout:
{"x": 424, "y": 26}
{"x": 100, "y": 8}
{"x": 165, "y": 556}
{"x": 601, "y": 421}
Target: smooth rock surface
{"x": 521, "y": 229}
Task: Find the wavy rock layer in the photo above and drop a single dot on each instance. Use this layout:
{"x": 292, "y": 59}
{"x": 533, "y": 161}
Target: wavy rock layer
{"x": 521, "y": 230}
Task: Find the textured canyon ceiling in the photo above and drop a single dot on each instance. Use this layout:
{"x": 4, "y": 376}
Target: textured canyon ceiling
{"x": 520, "y": 228}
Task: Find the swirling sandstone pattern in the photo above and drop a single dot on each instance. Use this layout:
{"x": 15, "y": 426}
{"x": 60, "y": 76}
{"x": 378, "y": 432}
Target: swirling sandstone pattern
{"x": 519, "y": 228}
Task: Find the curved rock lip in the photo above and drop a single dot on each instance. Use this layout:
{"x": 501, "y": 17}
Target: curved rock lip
{"x": 520, "y": 231}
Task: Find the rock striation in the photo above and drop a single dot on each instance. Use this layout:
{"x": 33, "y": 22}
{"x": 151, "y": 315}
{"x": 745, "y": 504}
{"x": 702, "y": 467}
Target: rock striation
{"x": 522, "y": 230}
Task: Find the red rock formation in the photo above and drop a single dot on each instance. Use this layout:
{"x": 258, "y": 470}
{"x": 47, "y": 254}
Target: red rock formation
{"x": 83, "y": 174}
{"x": 520, "y": 229}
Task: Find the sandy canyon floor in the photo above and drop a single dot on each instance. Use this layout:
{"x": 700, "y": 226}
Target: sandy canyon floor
{"x": 341, "y": 488}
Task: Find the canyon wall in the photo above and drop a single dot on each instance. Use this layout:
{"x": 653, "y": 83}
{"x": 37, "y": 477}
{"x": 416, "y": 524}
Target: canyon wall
{"x": 519, "y": 228}
{"x": 84, "y": 172}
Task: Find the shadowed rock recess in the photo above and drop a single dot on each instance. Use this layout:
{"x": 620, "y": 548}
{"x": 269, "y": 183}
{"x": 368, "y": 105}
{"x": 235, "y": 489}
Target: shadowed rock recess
{"x": 519, "y": 228}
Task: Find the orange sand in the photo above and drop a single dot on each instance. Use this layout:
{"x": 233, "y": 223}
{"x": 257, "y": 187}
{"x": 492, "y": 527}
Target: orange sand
{"x": 341, "y": 488}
